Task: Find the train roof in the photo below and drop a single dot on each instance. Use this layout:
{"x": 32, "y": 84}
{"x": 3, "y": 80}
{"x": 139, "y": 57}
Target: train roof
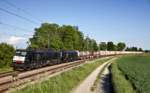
{"x": 46, "y": 50}
{"x": 36, "y": 50}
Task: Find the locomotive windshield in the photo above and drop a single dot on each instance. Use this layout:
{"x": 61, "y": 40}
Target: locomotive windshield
{"x": 20, "y": 53}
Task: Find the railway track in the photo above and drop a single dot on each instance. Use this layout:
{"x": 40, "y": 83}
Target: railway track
{"x": 4, "y": 74}
{"x": 15, "y": 79}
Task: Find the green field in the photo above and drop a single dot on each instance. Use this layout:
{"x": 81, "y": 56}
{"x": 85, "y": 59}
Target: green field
{"x": 64, "y": 82}
{"x": 134, "y": 69}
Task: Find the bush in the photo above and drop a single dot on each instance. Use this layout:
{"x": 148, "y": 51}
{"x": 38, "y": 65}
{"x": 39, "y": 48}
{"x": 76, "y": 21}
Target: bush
{"x": 6, "y": 55}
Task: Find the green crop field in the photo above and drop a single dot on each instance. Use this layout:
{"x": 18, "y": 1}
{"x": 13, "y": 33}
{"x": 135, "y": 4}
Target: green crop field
{"x": 136, "y": 70}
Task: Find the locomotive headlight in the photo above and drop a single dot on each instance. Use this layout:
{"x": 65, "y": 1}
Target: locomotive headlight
{"x": 19, "y": 62}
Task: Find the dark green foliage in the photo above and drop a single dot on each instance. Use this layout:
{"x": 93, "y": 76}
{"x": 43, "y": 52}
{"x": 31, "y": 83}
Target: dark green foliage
{"x": 133, "y": 49}
{"x": 121, "y": 46}
{"x": 127, "y": 49}
{"x": 47, "y": 36}
{"x": 90, "y": 44}
{"x": 72, "y": 38}
{"x": 147, "y": 51}
{"x": 111, "y": 46}
{"x": 140, "y": 49}
{"x": 103, "y": 46}
{"x": 6, "y": 55}
{"x": 57, "y": 37}
{"x": 67, "y": 37}
{"x": 86, "y": 43}
{"x": 95, "y": 47}
{"x": 136, "y": 68}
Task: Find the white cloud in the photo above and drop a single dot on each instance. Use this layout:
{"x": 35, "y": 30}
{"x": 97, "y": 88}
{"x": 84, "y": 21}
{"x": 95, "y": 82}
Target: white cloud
{"x": 13, "y": 40}
{"x": 16, "y": 41}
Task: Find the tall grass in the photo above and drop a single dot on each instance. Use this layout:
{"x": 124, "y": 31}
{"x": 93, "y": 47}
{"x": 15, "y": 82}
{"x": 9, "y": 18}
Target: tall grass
{"x": 119, "y": 82}
{"x": 64, "y": 82}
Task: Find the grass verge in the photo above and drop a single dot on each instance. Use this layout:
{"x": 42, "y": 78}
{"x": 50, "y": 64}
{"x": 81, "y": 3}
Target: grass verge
{"x": 6, "y": 69}
{"x": 64, "y": 82}
{"x": 119, "y": 82}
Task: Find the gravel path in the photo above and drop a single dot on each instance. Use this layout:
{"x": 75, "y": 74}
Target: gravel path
{"x": 85, "y": 86}
{"x": 105, "y": 82}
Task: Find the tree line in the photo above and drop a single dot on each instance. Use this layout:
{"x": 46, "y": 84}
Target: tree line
{"x": 67, "y": 37}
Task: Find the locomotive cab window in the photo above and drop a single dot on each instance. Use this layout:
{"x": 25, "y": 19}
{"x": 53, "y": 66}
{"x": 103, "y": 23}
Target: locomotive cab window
{"x": 21, "y": 53}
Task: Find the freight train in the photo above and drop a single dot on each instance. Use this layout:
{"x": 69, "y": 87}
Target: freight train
{"x": 30, "y": 59}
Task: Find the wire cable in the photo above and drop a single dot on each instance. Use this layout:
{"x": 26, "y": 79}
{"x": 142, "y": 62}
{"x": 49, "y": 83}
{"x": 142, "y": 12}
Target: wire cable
{"x": 13, "y": 26}
{"x": 19, "y": 16}
{"x": 20, "y": 9}
{"x": 26, "y": 33}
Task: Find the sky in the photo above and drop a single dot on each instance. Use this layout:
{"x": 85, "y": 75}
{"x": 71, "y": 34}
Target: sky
{"x": 103, "y": 20}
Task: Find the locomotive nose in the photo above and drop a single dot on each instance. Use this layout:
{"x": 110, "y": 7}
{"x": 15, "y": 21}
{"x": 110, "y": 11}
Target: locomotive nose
{"x": 18, "y": 62}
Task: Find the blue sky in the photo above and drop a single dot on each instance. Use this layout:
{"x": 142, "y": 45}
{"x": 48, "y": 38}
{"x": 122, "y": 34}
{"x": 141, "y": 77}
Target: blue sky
{"x": 104, "y": 20}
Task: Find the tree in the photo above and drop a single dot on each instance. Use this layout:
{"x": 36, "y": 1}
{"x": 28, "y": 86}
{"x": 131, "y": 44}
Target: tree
{"x": 66, "y": 37}
{"x": 110, "y": 46}
{"x": 55, "y": 37}
{"x": 6, "y": 55}
{"x": 121, "y": 46}
{"x": 140, "y": 49}
{"x": 46, "y": 36}
{"x": 147, "y": 51}
{"x": 127, "y": 49}
{"x": 71, "y": 38}
{"x": 86, "y": 44}
{"x": 103, "y": 46}
{"x": 134, "y": 49}
{"x": 131, "y": 49}
{"x": 95, "y": 47}
{"x": 80, "y": 41}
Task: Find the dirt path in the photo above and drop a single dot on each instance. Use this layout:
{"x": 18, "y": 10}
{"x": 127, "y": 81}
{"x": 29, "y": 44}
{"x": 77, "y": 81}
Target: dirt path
{"x": 105, "y": 82}
{"x": 85, "y": 86}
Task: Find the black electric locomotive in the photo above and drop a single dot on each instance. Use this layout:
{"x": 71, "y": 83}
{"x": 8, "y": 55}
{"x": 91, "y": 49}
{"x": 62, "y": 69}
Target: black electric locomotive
{"x": 68, "y": 56}
{"x": 30, "y": 59}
